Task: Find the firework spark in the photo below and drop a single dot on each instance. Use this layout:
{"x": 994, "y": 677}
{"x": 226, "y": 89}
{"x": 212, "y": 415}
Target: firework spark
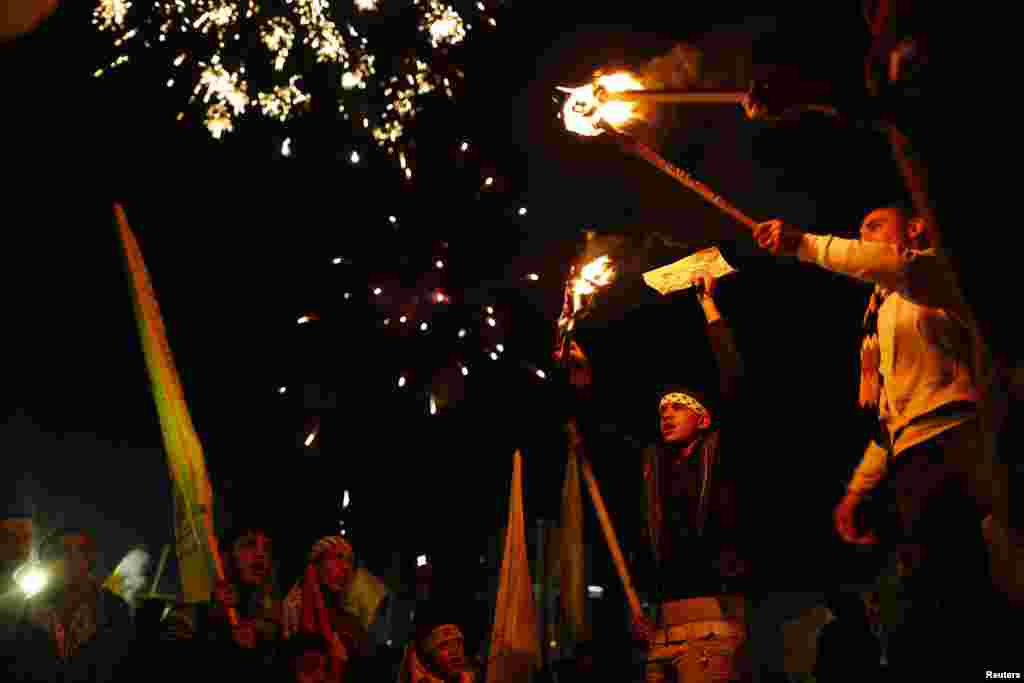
{"x": 208, "y": 55}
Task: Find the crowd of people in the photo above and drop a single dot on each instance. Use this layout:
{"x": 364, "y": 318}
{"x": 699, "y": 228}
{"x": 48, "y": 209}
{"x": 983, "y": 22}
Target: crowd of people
{"x": 321, "y": 630}
{"x": 929, "y": 474}
{"x": 925, "y": 466}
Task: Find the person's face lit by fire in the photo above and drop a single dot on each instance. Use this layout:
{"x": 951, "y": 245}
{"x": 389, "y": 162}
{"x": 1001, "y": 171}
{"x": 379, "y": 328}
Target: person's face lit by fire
{"x": 311, "y": 667}
{"x": 450, "y": 657}
{"x": 891, "y": 226}
{"x": 253, "y": 556}
{"x": 335, "y": 571}
{"x": 680, "y": 424}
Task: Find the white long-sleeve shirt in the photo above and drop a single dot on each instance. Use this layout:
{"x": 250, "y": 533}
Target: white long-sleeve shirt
{"x": 924, "y": 342}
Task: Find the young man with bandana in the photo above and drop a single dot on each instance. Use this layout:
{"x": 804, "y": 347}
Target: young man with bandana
{"x": 920, "y": 378}
{"x": 74, "y": 630}
{"x": 693, "y": 524}
{"x": 338, "y": 602}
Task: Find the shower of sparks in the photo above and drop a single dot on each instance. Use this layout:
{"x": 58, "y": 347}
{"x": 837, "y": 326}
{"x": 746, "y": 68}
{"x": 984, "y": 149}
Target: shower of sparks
{"x": 209, "y": 53}
{"x": 443, "y": 23}
{"x": 359, "y": 74}
{"x": 279, "y": 103}
{"x": 110, "y": 13}
{"x": 278, "y": 35}
{"x": 228, "y": 95}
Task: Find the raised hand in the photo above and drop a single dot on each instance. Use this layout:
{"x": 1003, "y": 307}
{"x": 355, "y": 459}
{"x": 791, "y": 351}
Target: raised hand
{"x": 777, "y": 237}
{"x": 245, "y": 634}
{"x": 579, "y": 365}
{"x": 704, "y": 283}
{"x": 643, "y": 629}
{"x": 225, "y": 594}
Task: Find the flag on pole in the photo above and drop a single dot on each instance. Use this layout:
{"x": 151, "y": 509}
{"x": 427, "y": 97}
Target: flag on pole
{"x": 196, "y": 546}
{"x": 515, "y": 646}
{"x": 129, "y": 576}
{"x": 570, "y": 560}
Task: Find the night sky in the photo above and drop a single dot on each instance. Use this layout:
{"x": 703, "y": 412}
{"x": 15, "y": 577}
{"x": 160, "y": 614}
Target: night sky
{"x": 239, "y": 243}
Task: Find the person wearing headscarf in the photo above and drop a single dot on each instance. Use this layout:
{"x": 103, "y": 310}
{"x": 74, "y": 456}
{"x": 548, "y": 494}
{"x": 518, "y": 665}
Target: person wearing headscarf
{"x": 338, "y": 602}
{"x": 437, "y": 652}
{"x": 74, "y": 630}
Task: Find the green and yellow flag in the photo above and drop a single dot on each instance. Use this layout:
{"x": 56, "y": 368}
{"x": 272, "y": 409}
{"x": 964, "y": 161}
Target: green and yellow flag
{"x": 198, "y": 559}
{"x": 515, "y": 641}
{"x": 570, "y": 556}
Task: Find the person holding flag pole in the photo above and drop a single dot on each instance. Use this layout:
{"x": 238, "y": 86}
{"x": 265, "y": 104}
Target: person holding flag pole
{"x": 693, "y": 521}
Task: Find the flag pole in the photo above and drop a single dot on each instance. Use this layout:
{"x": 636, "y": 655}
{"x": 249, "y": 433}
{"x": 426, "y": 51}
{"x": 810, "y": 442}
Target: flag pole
{"x": 159, "y": 569}
{"x": 642, "y": 151}
{"x": 610, "y": 537}
{"x": 607, "y": 528}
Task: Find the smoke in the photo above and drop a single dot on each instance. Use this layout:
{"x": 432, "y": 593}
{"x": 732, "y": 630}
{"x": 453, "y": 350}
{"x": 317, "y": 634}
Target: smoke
{"x": 717, "y": 64}
{"x": 680, "y": 68}
{"x": 131, "y": 574}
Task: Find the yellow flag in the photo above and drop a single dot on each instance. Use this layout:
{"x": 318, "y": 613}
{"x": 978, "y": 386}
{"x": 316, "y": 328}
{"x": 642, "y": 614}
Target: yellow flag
{"x": 193, "y": 497}
{"x": 515, "y": 643}
{"x": 571, "y": 574}
{"x": 365, "y": 594}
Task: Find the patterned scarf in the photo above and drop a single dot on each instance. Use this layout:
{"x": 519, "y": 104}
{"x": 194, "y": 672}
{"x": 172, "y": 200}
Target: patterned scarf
{"x": 870, "y": 354}
{"x": 415, "y": 670}
{"x": 305, "y": 607}
{"x": 78, "y": 625}
{"x": 685, "y": 400}
{"x": 870, "y": 393}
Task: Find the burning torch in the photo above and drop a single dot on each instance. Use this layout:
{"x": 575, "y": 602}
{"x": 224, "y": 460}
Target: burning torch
{"x": 578, "y": 302}
{"x": 609, "y": 103}
{"x": 579, "y": 297}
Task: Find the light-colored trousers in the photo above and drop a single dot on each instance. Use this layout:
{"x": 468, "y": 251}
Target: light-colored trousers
{"x": 703, "y": 641}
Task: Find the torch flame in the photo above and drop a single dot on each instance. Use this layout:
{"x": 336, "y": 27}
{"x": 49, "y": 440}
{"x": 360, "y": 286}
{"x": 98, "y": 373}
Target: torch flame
{"x": 594, "y": 275}
{"x": 584, "y": 110}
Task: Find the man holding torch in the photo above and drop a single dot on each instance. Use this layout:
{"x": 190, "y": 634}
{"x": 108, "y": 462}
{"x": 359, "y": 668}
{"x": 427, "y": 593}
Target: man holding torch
{"x": 918, "y": 379}
{"x": 692, "y": 522}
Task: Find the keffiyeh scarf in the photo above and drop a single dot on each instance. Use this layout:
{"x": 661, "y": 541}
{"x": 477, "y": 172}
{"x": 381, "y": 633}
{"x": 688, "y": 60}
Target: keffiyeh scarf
{"x": 870, "y": 353}
{"x": 80, "y": 626}
{"x": 413, "y": 670}
{"x": 685, "y": 400}
{"x": 304, "y": 606}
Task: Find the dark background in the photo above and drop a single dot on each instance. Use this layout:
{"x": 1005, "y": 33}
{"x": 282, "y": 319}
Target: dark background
{"x": 239, "y": 243}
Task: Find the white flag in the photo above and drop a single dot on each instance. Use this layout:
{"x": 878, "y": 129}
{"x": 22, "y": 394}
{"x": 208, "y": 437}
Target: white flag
{"x": 676, "y": 276}
{"x": 515, "y": 643}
